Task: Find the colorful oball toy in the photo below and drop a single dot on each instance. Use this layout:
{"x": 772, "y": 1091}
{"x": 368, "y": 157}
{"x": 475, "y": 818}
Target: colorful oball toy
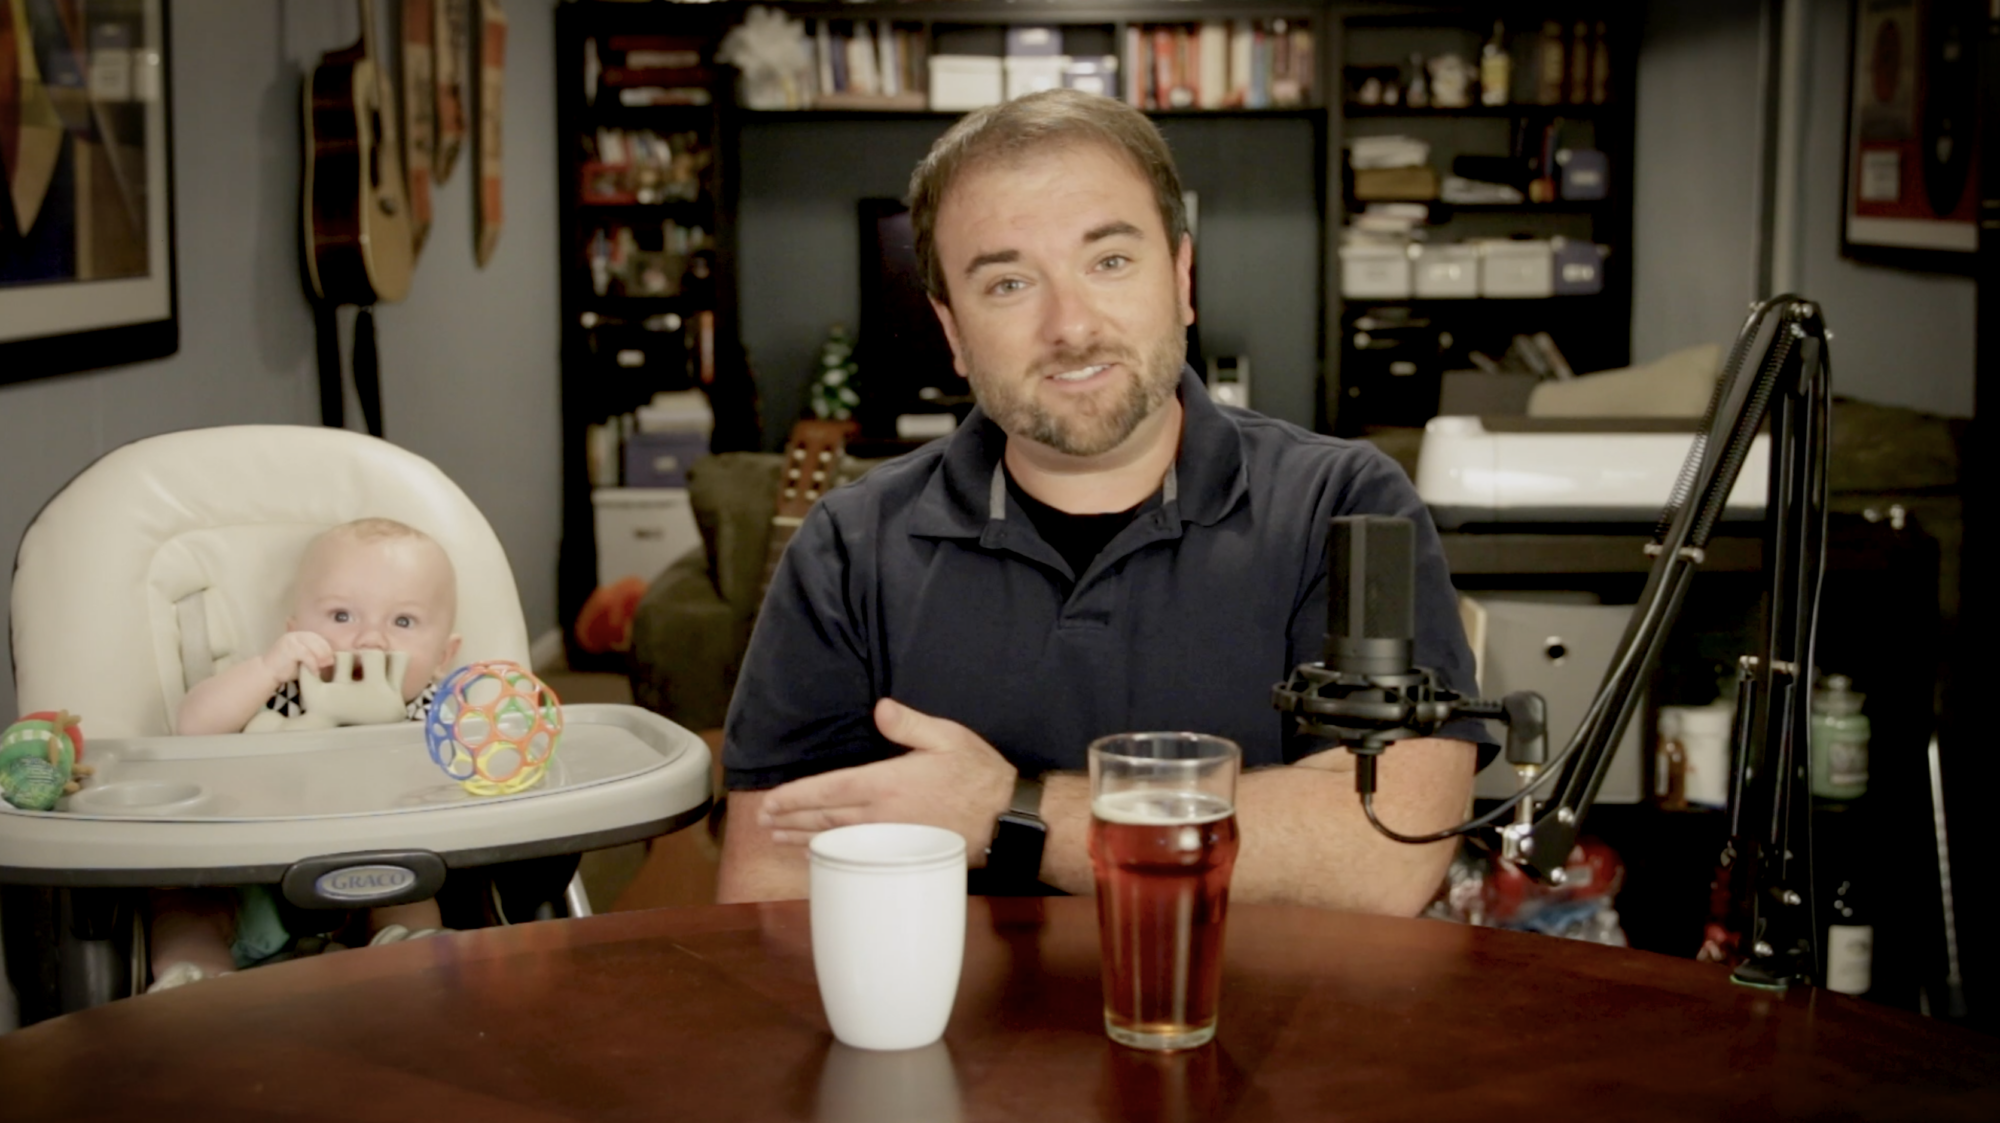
{"x": 493, "y": 727}
{"x": 41, "y": 757}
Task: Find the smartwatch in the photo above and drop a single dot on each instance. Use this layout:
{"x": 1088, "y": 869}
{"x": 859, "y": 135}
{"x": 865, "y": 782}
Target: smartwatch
{"x": 1014, "y": 857}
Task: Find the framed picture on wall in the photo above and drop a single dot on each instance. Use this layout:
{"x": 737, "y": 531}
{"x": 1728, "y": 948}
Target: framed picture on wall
{"x": 86, "y": 214}
{"x": 1912, "y": 166}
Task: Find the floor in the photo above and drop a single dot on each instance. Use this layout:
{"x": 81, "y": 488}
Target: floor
{"x": 678, "y": 869}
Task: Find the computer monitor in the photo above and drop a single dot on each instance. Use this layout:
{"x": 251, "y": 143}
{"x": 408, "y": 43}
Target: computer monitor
{"x": 904, "y": 359}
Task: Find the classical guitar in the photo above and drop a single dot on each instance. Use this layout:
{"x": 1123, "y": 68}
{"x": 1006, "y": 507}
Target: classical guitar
{"x": 359, "y": 248}
{"x": 813, "y": 454}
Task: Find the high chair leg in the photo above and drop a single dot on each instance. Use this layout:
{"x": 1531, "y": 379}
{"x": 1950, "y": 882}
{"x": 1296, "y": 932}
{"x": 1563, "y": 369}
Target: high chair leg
{"x": 575, "y": 897}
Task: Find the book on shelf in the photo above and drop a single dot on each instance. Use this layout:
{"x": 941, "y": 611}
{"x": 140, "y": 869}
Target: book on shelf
{"x": 889, "y": 78}
{"x": 1600, "y": 65}
{"x": 863, "y": 65}
{"x": 1242, "y": 42}
{"x": 1579, "y": 64}
{"x": 1213, "y": 82}
{"x": 823, "y": 56}
{"x": 1244, "y": 64}
{"x": 861, "y": 77}
{"x": 1551, "y": 64}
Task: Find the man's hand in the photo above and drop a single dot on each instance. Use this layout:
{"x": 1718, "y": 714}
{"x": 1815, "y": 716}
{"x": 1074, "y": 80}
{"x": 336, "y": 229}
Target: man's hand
{"x": 950, "y": 778}
{"x": 293, "y": 649}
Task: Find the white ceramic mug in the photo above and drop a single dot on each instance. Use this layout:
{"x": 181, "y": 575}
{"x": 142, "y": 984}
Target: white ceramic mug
{"x": 888, "y": 931}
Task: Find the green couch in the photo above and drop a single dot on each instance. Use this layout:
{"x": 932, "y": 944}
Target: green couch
{"x": 692, "y": 626}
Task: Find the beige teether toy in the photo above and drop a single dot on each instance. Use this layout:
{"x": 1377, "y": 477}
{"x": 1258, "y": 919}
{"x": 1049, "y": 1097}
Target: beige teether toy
{"x": 373, "y": 697}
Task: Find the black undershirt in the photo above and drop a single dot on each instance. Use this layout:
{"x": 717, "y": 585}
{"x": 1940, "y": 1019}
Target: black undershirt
{"x": 1078, "y": 538}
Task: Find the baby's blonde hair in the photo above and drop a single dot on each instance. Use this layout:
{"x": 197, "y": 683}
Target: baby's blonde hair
{"x": 378, "y": 529}
{"x": 374, "y": 529}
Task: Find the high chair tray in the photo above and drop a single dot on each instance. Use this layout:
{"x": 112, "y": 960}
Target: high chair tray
{"x": 242, "y": 808}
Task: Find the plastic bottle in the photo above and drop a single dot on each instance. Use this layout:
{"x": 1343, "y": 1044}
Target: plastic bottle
{"x": 1704, "y": 737}
{"x": 1839, "y": 740}
{"x": 1496, "y": 69}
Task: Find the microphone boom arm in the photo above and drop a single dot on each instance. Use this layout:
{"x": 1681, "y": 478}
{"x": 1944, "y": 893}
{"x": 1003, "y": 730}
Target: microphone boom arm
{"x": 1366, "y": 705}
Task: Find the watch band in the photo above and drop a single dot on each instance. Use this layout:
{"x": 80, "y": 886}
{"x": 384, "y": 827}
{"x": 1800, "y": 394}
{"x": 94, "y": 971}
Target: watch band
{"x": 1015, "y": 855}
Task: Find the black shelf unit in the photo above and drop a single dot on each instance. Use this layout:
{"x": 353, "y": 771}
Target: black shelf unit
{"x": 596, "y": 385}
{"x": 1594, "y": 332}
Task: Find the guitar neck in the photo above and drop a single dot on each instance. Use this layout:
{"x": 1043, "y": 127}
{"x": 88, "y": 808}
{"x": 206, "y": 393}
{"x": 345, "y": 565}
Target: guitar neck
{"x": 812, "y": 462}
{"x": 367, "y": 29}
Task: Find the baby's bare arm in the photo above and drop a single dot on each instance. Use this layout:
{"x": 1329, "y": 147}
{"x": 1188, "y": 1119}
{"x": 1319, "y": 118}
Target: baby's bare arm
{"x": 225, "y": 702}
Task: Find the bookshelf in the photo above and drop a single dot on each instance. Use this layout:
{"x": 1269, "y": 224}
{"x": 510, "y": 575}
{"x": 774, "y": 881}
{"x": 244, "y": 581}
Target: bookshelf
{"x": 1477, "y": 166}
{"x": 775, "y": 209}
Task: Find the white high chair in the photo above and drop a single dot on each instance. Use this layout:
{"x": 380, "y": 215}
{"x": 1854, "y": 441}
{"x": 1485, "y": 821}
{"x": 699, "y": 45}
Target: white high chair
{"x": 172, "y": 557}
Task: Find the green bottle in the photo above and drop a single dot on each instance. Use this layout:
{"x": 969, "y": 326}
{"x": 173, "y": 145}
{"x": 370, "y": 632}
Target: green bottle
{"x": 1839, "y": 741}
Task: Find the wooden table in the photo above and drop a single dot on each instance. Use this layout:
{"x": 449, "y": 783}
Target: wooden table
{"x": 711, "y": 1013}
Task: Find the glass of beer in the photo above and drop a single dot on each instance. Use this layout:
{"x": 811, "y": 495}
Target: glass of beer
{"x": 1163, "y": 844}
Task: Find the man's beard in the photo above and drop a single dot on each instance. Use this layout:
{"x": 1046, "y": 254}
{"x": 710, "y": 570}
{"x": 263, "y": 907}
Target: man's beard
{"x": 1092, "y": 426}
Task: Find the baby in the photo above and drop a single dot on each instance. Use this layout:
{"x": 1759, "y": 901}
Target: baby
{"x": 369, "y": 585}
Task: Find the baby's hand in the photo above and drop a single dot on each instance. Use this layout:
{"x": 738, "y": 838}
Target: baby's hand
{"x": 294, "y": 648}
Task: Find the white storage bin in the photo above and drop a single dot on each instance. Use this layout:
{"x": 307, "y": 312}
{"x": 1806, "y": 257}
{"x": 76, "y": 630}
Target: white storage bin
{"x": 1441, "y": 272}
{"x": 1517, "y": 269}
{"x": 642, "y": 530}
{"x": 1027, "y": 74}
{"x": 1375, "y": 272}
{"x": 961, "y": 82}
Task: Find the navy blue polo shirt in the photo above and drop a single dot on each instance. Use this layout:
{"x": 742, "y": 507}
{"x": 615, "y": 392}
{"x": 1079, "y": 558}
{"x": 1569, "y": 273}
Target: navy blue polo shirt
{"x": 924, "y": 581}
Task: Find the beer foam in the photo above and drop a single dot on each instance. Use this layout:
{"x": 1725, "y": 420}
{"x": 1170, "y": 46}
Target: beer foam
{"x": 1141, "y": 808}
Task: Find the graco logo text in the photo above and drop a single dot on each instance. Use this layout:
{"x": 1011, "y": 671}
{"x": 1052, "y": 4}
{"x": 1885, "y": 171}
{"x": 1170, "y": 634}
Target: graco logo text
{"x": 364, "y": 883}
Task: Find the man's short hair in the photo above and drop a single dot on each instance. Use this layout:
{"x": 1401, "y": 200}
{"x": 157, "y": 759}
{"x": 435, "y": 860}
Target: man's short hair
{"x": 1034, "y": 123}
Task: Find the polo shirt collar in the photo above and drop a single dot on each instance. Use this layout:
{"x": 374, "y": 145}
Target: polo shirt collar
{"x": 959, "y": 500}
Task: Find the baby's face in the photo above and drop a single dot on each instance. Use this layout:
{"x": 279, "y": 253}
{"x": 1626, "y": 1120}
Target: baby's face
{"x": 382, "y": 594}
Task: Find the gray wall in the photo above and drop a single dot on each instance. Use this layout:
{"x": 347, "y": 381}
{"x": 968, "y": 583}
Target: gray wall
{"x": 469, "y": 359}
{"x": 1902, "y": 337}
{"x": 1694, "y": 263}
{"x": 1256, "y": 264}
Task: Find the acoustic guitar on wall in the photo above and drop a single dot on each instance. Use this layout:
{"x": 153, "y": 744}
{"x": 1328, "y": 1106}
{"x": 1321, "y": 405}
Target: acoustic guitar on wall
{"x": 358, "y": 238}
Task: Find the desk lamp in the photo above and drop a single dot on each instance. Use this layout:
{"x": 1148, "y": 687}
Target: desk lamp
{"x": 1366, "y": 693}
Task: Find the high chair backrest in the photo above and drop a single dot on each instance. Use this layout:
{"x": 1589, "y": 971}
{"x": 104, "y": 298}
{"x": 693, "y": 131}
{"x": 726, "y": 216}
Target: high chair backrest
{"x": 174, "y": 556}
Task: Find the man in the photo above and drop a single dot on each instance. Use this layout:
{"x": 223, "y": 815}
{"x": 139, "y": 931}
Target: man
{"x": 1098, "y": 549}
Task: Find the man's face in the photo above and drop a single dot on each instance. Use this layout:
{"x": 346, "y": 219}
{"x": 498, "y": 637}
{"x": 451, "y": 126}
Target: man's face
{"x": 1068, "y": 307}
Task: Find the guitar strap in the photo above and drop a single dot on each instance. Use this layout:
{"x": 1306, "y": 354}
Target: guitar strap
{"x": 367, "y": 373}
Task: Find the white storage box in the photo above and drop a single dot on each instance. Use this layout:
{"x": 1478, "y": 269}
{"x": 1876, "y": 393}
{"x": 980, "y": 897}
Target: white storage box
{"x": 1441, "y": 272}
{"x": 642, "y": 530}
{"x": 1517, "y": 269}
{"x": 1024, "y": 42}
{"x": 1372, "y": 272}
{"x": 1093, "y": 75}
{"x": 961, "y": 82}
{"x": 1029, "y": 73}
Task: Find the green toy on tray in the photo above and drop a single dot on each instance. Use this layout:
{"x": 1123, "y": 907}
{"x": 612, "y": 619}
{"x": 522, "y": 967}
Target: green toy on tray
{"x": 41, "y": 759}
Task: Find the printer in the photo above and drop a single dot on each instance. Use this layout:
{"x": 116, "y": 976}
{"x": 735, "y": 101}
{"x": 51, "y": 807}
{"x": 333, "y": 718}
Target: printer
{"x": 1510, "y": 470}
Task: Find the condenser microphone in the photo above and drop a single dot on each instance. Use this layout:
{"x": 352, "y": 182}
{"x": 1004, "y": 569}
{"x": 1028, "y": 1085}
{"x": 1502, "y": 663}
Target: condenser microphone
{"x": 1371, "y": 615}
